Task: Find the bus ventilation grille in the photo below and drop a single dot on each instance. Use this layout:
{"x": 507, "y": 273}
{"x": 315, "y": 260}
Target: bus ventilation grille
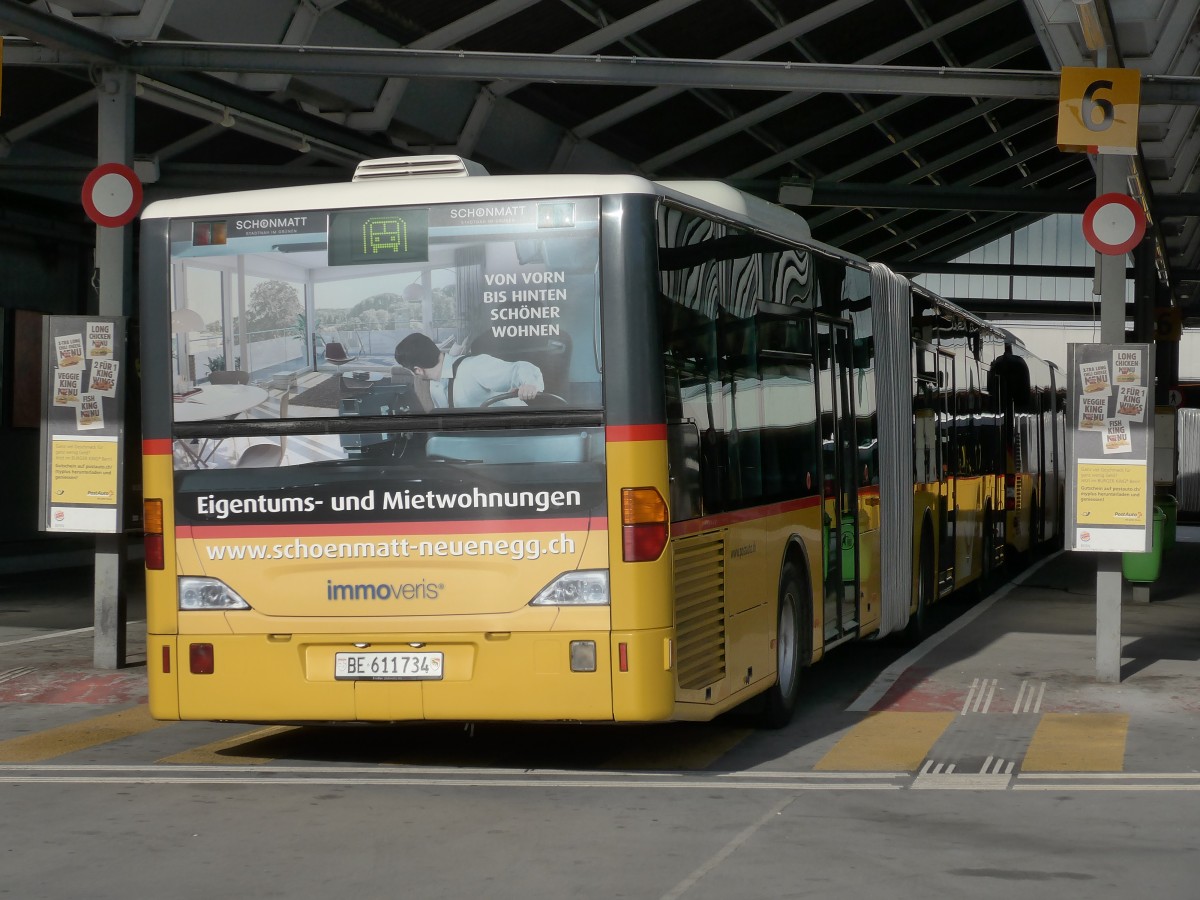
{"x": 417, "y": 167}
{"x": 700, "y": 611}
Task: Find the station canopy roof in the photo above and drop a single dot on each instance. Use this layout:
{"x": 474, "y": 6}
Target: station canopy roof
{"x": 907, "y": 131}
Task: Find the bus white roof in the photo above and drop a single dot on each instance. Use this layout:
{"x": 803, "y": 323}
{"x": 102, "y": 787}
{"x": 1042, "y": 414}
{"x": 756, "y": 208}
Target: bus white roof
{"x": 719, "y": 196}
{"x": 711, "y": 196}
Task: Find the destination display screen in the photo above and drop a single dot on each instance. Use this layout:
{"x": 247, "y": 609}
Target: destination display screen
{"x": 372, "y": 236}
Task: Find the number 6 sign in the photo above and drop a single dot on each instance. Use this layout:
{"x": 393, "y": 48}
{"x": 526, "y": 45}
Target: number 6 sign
{"x": 1098, "y": 110}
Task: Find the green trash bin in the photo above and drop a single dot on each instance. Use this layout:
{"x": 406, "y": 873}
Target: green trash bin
{"x": 1170, "y": 506}
{"x": 848, "y": 538}
{"x": 1142, "y": 568}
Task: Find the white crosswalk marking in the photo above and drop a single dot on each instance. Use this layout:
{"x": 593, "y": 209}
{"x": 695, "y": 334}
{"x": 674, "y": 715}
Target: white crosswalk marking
{"x": 1027, "y": 701}
{"x": 996, "y": 766}
{"x": 979, "y": 697}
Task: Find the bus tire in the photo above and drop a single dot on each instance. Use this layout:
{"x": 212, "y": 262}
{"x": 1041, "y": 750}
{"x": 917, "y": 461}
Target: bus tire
{"x": 789, "y": 650}
{"x": 918, "y": 622}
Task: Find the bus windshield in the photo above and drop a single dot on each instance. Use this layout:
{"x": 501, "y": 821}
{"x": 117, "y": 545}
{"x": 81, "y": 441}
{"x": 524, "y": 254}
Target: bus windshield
{"x": 395, "y": 311}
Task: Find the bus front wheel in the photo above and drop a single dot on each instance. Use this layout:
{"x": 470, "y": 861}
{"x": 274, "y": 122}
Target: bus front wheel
{"x": 789, "y": 644}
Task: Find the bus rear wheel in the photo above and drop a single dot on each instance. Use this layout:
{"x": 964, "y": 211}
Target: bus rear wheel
{"x": 789, "y": 647}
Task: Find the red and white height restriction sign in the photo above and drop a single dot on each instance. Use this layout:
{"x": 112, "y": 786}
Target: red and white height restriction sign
{"x": 1114, "y": 224}
{"x": 112, "y": 195}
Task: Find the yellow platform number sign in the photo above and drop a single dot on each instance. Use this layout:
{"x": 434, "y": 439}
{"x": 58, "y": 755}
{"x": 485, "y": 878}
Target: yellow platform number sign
{"x": 1098, "y": 110}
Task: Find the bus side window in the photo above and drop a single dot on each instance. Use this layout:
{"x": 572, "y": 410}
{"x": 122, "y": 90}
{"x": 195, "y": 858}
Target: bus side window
{"x": 683, "y": 460}
{"x": 692, "y": 392}
{"x": 925, "y": 462}
{"x": 742, "y": 396}
{"x": 683, "y": 451}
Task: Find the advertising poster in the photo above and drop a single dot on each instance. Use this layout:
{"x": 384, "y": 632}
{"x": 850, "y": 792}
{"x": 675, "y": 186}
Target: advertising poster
{"x": 1110, "y": 487}
{"x": 69, "y": 351}
{"x": 84, "y": 470}
{"x": 102, "y": 379}
{"x": 99, "y": 339}
{"x": 67, "y": 386}
{"x": 80, "y": 477}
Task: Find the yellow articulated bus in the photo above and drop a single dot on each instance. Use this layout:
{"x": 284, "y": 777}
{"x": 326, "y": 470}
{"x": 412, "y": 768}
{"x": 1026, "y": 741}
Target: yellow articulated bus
{"x": 439, "y": 445}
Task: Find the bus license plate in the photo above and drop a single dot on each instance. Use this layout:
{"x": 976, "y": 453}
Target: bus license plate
{"x": 388, "y": 666}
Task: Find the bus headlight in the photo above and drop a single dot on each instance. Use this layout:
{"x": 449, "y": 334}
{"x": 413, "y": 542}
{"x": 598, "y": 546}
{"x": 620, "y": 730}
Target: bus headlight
{"x": 208, "y": 593}
{"x": 588, "y": 587}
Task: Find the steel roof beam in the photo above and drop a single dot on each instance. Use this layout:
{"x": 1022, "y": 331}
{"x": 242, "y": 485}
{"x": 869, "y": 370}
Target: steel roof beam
{"x": 144, "y": 24}
{"x": 904, "y": 234}
{"x": 879, "y": 57}
{"x": 613, "y": 33}
{"x": 842, "y": 129}
{"x": 67, "y": 44}
{"x": 77, "y": 46}
{"x": 826, "y": 14}
{"x": 49, "y": 118}
{"x": 378, "y": 118}
{"x": 980, "y": 109}
{"x": 950, "y": 197}
{"x": 304, "y": 20}
{"x": 182, "y": 57}
{"x": 962, "y": 153}
{"x": 1018, "y": 84}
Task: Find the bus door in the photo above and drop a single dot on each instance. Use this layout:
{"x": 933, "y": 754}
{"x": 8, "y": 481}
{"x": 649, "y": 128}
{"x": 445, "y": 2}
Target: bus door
{"x": 947, "y": 482}
{"x": 839, "y": 458}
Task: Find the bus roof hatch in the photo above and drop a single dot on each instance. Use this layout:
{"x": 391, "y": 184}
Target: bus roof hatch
{"x": 417, "y": 167}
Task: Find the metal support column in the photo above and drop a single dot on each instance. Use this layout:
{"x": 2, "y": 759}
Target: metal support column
{"x": 1110, "y": 275}
{"x": 114, "y": 270}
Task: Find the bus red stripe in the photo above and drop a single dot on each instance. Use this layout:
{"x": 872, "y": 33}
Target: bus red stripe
{"x": 694, "y": 526}
{"x": 622, "y": 433}
{"x": 156, "y": 447}
{"x": 355, "y": 529}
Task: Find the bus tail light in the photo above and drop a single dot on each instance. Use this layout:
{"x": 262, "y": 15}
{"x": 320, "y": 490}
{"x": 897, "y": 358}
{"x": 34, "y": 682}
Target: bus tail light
{"x": 202, "y": 659}
{"x": 152, "y": 521}
{"x": 644, "y": 524}
{"x": 1010, "y": 492}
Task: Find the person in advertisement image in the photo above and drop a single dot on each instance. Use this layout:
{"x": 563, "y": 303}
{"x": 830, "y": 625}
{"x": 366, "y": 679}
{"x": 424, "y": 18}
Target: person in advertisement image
{"x": 456, "y": 379}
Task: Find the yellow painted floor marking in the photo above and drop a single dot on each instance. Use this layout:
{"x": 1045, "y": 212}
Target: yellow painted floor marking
{"x": 1079, "y": 742}
{"x": 887, "y": 742}
{"x": 53, "y": 742}
{"x": 217, "y": 753}
{"x": 700, "y": 747}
